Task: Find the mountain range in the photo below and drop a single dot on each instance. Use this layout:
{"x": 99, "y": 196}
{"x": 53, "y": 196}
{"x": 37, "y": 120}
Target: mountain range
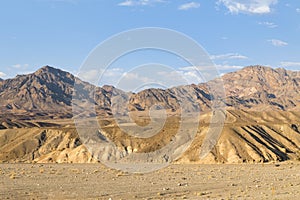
{"x": 49, "y": 92}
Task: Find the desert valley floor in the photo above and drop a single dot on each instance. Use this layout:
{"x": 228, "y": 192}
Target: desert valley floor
{"x": 179, "y": 181}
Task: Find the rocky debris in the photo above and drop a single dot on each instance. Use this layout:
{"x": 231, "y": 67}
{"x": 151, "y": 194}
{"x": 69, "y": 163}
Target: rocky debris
{"x": 182, "y": 184}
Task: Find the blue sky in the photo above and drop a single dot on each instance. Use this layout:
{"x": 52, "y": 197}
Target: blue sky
{"x": 62, "y": 33}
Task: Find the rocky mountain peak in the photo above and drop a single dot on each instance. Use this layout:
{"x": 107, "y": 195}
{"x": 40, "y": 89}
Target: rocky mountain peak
{"x": 47, "y": 72}
{"x": 47, "y": 89}
{"x": 259, "y": 86}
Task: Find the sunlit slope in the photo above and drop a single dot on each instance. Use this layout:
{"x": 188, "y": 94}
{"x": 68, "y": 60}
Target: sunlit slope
{"x": 246, "y": 137}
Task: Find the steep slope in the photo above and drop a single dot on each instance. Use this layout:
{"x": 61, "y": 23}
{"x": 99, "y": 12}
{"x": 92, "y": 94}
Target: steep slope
{"x": 263, "y": 88}
{"x": 47, "y": 89}
{"x": 251, "y": 136}
{"x": 247, "y": 137}
{"x": 46, "y": 92}
{"x": 42, "y": 145}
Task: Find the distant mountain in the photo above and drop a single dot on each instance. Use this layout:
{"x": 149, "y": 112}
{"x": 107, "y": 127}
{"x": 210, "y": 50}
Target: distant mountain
{"x": 45, "y": 92}
{"x": 49, "y": 91}
{"x": 262, "y": 88}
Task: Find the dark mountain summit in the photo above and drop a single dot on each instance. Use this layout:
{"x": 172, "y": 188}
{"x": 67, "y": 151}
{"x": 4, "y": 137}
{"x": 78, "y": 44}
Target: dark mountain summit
{"x": 48, "y": 89}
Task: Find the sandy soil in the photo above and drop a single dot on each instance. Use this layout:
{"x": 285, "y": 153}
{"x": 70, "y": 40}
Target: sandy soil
{"x": 94, "y": 181}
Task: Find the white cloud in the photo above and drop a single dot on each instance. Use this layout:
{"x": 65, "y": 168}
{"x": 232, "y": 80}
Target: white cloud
{"x": 90, "y": 76}
{"x": 17, "y": 66}
{"x": 228, "y": 56}
{"x": 108, "y": 77}
{"x": 198, "y": 74}
{"x": 136, "y": 80}
{"x": 268, "y": 24}
{"x": 248, "y": 6}
{"x": 290, "y": 64}
{"x": 113, "y": 72}
{"x": 188, "y": 6}
{"x": 2, "y": 74}
{"x": 200, "y": 69}
{"x": 192, "y": 77}
{"x": 136, "y": 77}
{"x": 298, "y": 10}
{"x": 183, "y": 76}
{"x": 129, "y": 3}
{"x": 278, "y": 43}
{"x": 228, "y": 67}
{"x": 20, "y": 66}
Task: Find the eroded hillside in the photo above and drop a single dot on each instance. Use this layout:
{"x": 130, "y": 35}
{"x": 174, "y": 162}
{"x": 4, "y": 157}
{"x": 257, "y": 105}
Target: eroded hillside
{"x": 246, "y": 137}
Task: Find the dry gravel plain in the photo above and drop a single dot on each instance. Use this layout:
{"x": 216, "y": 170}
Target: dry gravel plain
{"x": 178, "y": 181}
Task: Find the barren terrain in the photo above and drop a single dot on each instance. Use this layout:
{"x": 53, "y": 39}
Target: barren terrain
{"x": 247, "y": 137}
{"x": 184, "y": 181}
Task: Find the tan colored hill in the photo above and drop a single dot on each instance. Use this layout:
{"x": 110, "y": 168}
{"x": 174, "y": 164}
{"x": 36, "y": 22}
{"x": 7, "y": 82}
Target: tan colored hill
{"x": 253, "y": 137}
{"x": 246, "y": 137}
